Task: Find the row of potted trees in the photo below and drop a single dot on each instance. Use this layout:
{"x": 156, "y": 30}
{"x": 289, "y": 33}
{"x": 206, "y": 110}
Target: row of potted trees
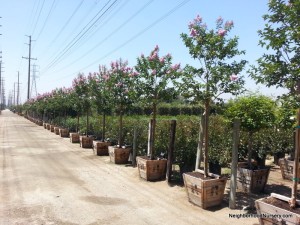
{"x": 217, "y": 53}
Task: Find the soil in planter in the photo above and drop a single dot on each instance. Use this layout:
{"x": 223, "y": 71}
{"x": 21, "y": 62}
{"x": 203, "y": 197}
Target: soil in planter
{"x": 281, "y": 204}
{"x": 200, "y": 175}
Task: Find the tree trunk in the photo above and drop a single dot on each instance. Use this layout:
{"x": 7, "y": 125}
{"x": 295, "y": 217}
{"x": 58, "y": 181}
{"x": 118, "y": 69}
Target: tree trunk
{"x": 206, "y": 137}
{"x": 120, "y": 139}
{"x": 87, "y": 122}
{"x": 250, "y": 149}
{"x": 200, "y": 143}
{"x": 103, "y": 126}
{"x": 77, "y": 126}
{"x": 152, "y": 133}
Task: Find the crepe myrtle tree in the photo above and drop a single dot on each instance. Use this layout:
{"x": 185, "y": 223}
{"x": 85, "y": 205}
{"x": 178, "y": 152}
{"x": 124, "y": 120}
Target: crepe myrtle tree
{"x": 80, "y": 97}
{"x": 155, "y": 73}
{"x": 218, "y": 70}
{"x": 280, "y": 66}
{"x": 120, "y": 80}
{"x": 100, "y": 95}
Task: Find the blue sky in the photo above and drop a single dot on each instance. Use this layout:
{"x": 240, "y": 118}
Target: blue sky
{"x": 126, "y": 29}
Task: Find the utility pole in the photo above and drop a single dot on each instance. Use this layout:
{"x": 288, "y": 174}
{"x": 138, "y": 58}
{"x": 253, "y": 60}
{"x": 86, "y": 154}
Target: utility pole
{"x": 18, "y": 89}
{"x": 14, "y": 101}
{"x": 1, "y": 84}
{"x": 29, "y": 60}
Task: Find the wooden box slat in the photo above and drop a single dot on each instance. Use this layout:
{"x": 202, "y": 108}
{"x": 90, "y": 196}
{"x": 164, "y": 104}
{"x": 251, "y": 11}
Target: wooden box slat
{"x": 266, "y": 208}
{"x": 152, "y": 170}
{"x": 287, "y": 169}
{"x": 118, "y": 155}
{"x": 252, "y": 181}
{"x": 86, "y": 142}
{"x": 52, "y": 128}
{"x": 204, "y": 193}
{"x": 48, "y": 126}
{"x": 56, "y": 130}
{"x": 63, "y": 132}
{"x": 74, "y": 137}
{"x": 100, "y": 148}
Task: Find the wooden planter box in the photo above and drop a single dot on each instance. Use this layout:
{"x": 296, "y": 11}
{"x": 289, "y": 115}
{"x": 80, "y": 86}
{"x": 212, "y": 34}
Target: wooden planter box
{"x": 56, "y": 130}
{"x": 74, "y": 137}
{"x": 274, "y": 215}
{"x": 39, "y": 122}
{"x": 63, "y": 132}
{"x": 118, "y": 155}
{"x": 151, "y": 170}
{"x": 204, "y": 192}
{"x": 287, "y": 169}
{"x": 86, "y": 142}
{"x": 252, "y": 181}
{"x": 48, "y": 126}
{"x": 52, "y": 128}
{"x": 45, "y": 125}
{"x": 100, "y": 147}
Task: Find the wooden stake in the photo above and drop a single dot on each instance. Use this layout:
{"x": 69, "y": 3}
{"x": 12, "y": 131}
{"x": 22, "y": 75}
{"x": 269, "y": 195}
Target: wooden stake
{"x": 236, "y": 139}
{"x": 296, "y": 163}
{"x": 200, "y": 144}
{"x": 171, "y": 149}
{"x": 150, "y": 138}
{"x": 134, "y": 147}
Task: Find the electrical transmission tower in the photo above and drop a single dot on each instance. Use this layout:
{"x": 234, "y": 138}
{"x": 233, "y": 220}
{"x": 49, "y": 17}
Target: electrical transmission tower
{"x": 3, "y": 99}
{"x": 33, "y": 89}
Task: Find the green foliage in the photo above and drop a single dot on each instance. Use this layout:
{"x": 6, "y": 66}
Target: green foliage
{"x": 280, "y": 67}
{"x": 154, "y": 74}
{"x": 220, "y": 142}
{"x": 215, "y": 52}
{"x": 255, "y": 112}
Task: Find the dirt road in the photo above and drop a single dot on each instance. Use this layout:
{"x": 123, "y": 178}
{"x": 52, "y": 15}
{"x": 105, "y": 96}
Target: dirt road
{"x": 47, "y": 180}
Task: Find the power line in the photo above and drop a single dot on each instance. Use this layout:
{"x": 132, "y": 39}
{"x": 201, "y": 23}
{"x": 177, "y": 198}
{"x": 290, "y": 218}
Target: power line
{"x": 38, "y": 18}
{"x": 46, "y": 20}
{"x": 81, "y": 34}
{"x": 135, "y": 36}
{"x": 67, "y": 22}
{"x": 109, "y": 35}
{"x": 92, "y": 33}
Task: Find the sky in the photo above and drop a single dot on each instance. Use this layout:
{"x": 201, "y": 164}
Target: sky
{"x": 76, "y": 36}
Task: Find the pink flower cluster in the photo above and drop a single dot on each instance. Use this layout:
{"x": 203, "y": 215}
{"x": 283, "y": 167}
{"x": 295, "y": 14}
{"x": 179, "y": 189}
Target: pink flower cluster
{"x": 222, "y": 32}
{"x": 233, "y": 77}
{"x": 80, "y": 80}
{"x": 196, "y": 22}
{"x": 228, "y": 24}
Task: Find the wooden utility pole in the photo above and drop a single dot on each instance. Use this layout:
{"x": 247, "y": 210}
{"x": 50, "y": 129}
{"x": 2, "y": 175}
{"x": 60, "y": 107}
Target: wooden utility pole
{"x": 29, "y": 61}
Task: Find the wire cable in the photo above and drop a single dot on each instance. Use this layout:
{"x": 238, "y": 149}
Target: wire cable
{"x": 38, "y": 18}
{"x": 134, "y": 37}
{"x": 46, "y": 20}
{"x": 108, "y": 36}
{"x": 65, "y": 25}
{"x": 80, "y": 35}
